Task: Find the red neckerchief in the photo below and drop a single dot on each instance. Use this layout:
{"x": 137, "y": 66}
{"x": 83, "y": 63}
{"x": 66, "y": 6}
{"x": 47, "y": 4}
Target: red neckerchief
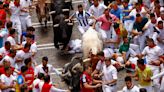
{"x": 152, "y": 46}
{"x": 9, "y": 55}
{"x": 16, "y": 4}
{"x": 102, "y": 61}
{"x": 32, "y": 42}
{"x": 7, "y": 75}
{"x": 10, "y": 36}
{"x": 139, "y": 9}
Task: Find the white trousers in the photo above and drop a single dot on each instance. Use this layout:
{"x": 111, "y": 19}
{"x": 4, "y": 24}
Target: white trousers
{"x": 98, "y": 25}
{"x": 161, "y": 74}
{"x": 156, "y": 85}
{"x": 25, "y": 22}
{"x": 162, "y": 85}
{"x": 83, "y": 29}
{"x": 128, "y": 25}
{"x": 108, "y": 34}
{"x": 153, "y": 35}
{"x": 107, "y": 88}
{"x": 17, "y": 25}
{"x": 161, "y": 45}
{"x": 133, "y": 60}
{"x": 134, "y": 49}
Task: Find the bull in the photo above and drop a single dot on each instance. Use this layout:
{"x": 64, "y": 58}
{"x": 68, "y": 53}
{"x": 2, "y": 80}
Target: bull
{"x": 62, "y": 27}
{"x": 42, "y": 11}
{"x": 91, "y": 43}
{"x": 72, "y": 72}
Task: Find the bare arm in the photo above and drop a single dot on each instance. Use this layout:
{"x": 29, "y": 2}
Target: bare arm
{"x": 94, "y": 72}
{"x": 86, "y": 85}
{"x": 134, "y": 32}
{"x": 97, "y": 81}
{"x": 3, "y": 87}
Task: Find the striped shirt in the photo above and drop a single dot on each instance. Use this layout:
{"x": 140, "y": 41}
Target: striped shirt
{"x": 82, "y": 18}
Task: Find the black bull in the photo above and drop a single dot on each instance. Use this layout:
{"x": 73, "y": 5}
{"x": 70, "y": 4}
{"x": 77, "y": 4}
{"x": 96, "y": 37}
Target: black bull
{"x": 62, "y": 28}
{"x": 72, "y": 72}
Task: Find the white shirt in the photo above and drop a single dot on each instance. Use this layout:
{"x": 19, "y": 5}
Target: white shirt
{"x": 7, "y": 81}
{"x": 110, "y": 73}
{"x": 33, "y": 47}
{"x": 100, "y": 65}
{"x": 10, "y": 59}
{"x": 11, "y": 40}
{"x": 161, "y": 74}
{"x": 82, "y": 18}
{"x": 150, "y": 27}
{"x": 21, "y": 55}
{"x": 134, "y": 12}
{"x": 108, "y": 52}
{"x": 35, "y": 83}
{"x": 25, "y": 4}
{"x": 133, "y": 1}
{"x": 97, "y": 11}
{"x": 3, "y": 51}
{"x": 161, "y": 34}
{"x": 134, "y": 89}
{"x": 15, "y": 11}
{"x": 152, "y": 54}
{"x": 147, "y": 3}
{"x": 39, "y": 69}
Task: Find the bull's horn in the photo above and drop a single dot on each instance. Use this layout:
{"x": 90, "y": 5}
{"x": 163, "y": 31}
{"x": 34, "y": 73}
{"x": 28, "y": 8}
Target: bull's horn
{"x": 65, "y": 10}
{"x": 86, "y": 60}
{"x": 70, "y": 24}
{"x": 56, "y": 25}
{"x": 52, "y": 12}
